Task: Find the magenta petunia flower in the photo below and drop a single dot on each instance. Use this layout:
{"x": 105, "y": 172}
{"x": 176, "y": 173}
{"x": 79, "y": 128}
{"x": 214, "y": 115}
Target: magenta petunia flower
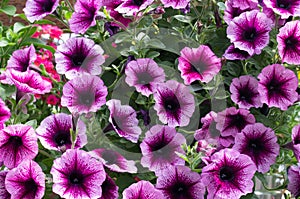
{"x": 79, "y": 56}
{"x": 27, "y": 181}
{"x": 142, "y": 190}
{"x": 143, "y": 74}
{"x": 4, "y": 113}
{"x": 284, "y": 8}
{"x": 38, "y": 9}
{"x": 288, "y": 40}
{"x": 176, "y": 4}
{"x": 124, "y": 121}
{"x": 174, "y": 103}
{"x": 244, "y": 92}
{"x": 85, "y": 15}
{"x": 109, "y": 189}
{"x": 232, "y": 121}
{"x": 114, "y": 161}
{"x": 296, "y": 141}
{"x": 277, "y": 86}
{"x": 233, "y": 8}
{"x": 4, "y": 194}
{"x": 178, "y": 182}
{"x": 250, "y": 31}
{"x": 84, "y": 94}
{"x": 233, "y": 53}
{"x": 17, "y": 143}
{"x": 54, "y": 132}
{"x": 130, "y": 7}
{"x": 77, "y": 175}
{"x": 198, "y": 64}
{"x": 159, "y": 148}
{"x": 260, "y": 144}
{"x": 294, "y": 180}
{"x": 22, "y": 59}
{"x": 229, "y": 175}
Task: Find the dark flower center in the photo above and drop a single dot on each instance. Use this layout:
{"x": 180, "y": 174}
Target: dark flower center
{"x": 171, "y": 104}
{"x": 109, "y": 157}
{"x": 138, "y": 2}
{"x": 297, "y": 141}
{"x": 47, "y": 6}
{"x": 16, "y": 141}
{"x": 62, "y": 138}
{"x": 245, "y": 94}
{"x": 283, "y": 4}
{"x": 255, "y": 146}
{"x": 226, "y": 174}
{"x": 77, "y": 59}
{"x": 238, "y": 121}
{"x": 144, "y": 78}
{"x": 290, "y": 42}
{"x": 86, "y": 98}
{"x": 179, "y": 190}
{"x": 76, "y": 178}
{"x": 274, "y": 86}
{"x": 250, "y": 34}
{"x": 31, "y": 186}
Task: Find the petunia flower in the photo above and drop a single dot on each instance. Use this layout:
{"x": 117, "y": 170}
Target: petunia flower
{"x": 79, "y": 56}
{"x": 284, "y": 8}
{"x": 176, "y": 4}
{"x": 114, "y": 160}
{"x": 296, "y": 141}
{"x": 229, "y": 175}
{"x": 232, "y": 53}
{"x": 26, "y": 181}
{"x": 77, "y": 175}
{"x": 85, "y": 15}
{"x": 132, "y": 7}
{"x": 250, "y": 31}
{"x": 84, "y": 94}
{"x": 178, "y": 182}
{"x": 260, "y": 144}
{"x": 277, "y": 86}
{"x": 159, "y": 148}
{"x": 17, "y": 143}
{"x": 124, "y": 121}
{"x": 198, "y": 64}
{"x": 142, "y": 189}
{"x": 232, "y": 121}
{"x": 4, "y": 194}
{"x": 4, "y": 112}
{"x": 38, "y": 9}
{"x": 174, "y": 103}
{"x": 143, "y": 74}
{"x": 244, "y": 92}
{"x": 54, "y": 132}
{"x": 288, "y": 40}
{"x": 109, "y": 189}
{"x": 294, "y": 180}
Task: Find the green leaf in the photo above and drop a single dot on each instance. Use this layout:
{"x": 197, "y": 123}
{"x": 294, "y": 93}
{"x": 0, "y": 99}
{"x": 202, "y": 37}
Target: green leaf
{"x": 32, "y": 123}
{"x": 18, "y": 26}
{"x": 3, "y": 42}
{"x": 6, "y": 91}
{"x": 9, "y": 10}
{"x": 153, "y": 54}
{"x": 183, "y": 18}
{"x": 44, "y": 21}
{"x": 155, "y": 43}
{"x": 221, "y": 5}
{"x": 38, "y": 43}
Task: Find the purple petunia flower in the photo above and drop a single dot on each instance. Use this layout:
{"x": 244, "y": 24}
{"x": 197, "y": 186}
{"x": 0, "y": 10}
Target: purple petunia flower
{"x": 4, "y": 194}
{"x": 17, "y": 143}
{"x": 84, "y": 94}
{"x": 159, "y": 148}
{"x": 4, "y": 113}
{"x": 114, "y": 161}
{"x": 250, "y": 31}
{"x": 143, "y": 74}
{"x": 54, "y": 132}
{"x": 77, "y": 175}
{"x": 284, "y": 8}
{"x": 260, "y": 143}
{"x": 244, "y": 92}
{"x": 294, "y": 180}
{"x": 233, "y": 8}
{"x": 29, "y": 82}
{"x": 176, "y": 4}
{"x": 26, "y": 181}
{"x": 142, "y": 190}
{"x": 38, "y": 9}
{"x": 124, "y": 121}
{"x": 130, "y": 7}
{"x": 178, "y": 182}
{"x": 233, "y": 53}
{"x": 174, "y": 103}
{"x": 229, "y": 175}
{"x": 296, "y": 141}
{"x": 232, "y": 121}
{"x": 79, "y": 56}
{"x": 198, "y": 64}
{"x": 109, "y": 189}
{"x": 85, "y": 15}
{"x": 277, "y": 86}
{"x": 288, "y": 40}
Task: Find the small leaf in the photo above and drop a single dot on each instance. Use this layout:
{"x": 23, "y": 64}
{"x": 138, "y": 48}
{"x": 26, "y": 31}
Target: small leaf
{"x": 9, "y": 10}
{"x": 156, "y": 44}
{"x": 18, "y": 26}
{"x": 183, "y": 18}
{"x": 3, "y": 43}
{"x": 32, "y": 123}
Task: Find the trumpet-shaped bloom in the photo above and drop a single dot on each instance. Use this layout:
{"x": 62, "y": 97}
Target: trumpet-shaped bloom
{"x": 4, "y": 112}
{"x": 4, "y": 194}
{"x": 284, "y": 8}
{"x": 38, "y": 9}
{"x": 233, "y": 53}
{"x": 176, "y": 4}
{"x": 294, "y": 180}
{"x": 142, "y": 190}
{"x": 289, "y": 42}
{"x": 198, "y": 64}
{"x": 22, "y": 59}
{"x": 277, "y": 86}
{"x": 109, "y": 189}
{"x": 131, "y": 7}
{"x": 296, "y": 141}
{"x": 250, "y": 31}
